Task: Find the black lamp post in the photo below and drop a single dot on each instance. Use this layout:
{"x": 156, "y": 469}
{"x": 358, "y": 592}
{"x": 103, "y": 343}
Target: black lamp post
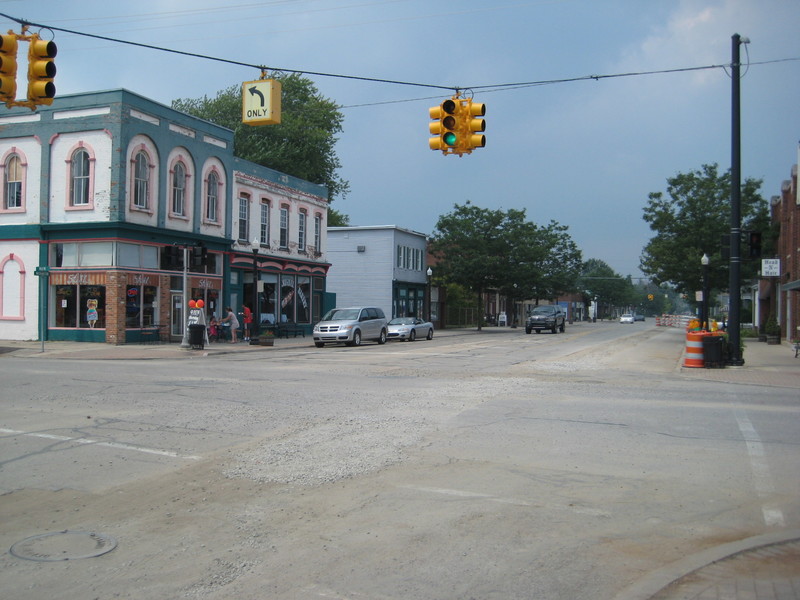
{"x": 705, "y": 306}
{"x": 429, "y": 272}
{"x": 255, "y": 325}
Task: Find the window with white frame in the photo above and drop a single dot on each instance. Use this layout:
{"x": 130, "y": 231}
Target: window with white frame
{"x": 263, "y": 234}
{"x": 79, "y": 178}
{"x": 141, "y": 181}
{"x": 244, "y": 216}
{"x": 179, "y": 190}
{"x": 301, "y": 230}
{"x": 212, "y": 197}
{"x": 12, "y": 183}
{"x": 318, "y": 233}
{"x": 284, "y": 241}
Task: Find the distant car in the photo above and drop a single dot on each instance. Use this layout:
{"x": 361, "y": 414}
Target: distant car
{"x": 638, "y": 317}
{"x": 626, "y": 318}
{"x": 350, "y": 326}
{"x": 409, "y": 329}
{"x": 546, "y": 316}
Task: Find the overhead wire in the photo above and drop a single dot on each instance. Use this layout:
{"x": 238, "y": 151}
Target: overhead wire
{"x": 485, "y": 88}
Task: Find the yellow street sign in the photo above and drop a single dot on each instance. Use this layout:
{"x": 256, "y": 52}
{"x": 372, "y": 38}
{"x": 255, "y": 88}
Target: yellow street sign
{"x": 261, "y": 102}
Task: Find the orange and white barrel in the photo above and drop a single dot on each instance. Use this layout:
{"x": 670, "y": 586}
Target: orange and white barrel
{"x": 693, "y": 356}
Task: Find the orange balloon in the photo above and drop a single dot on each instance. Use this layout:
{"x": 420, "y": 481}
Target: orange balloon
{"x": 200, "y": 304}
{"x": 191, "y": 304}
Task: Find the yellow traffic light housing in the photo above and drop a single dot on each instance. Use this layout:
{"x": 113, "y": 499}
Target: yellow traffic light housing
{"x": 8, "y": 67}
{"x": 445, "y": 125}
{"x": 474, "y": 125}
{"x": 41, "y": 70}
{"x": 456, "y": 126}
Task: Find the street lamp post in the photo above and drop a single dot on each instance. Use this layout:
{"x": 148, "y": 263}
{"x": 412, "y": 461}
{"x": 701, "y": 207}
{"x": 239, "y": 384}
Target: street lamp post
{"x": 705, "y": 306}
{"x": 429, "y": 272}
{"x": 256, "y": 311}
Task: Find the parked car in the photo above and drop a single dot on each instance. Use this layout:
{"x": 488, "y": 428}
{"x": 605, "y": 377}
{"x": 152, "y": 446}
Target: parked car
{"x": 626, "y": 318}
{"x": 409, "y": 328}
{"x": 638, "y": 317}
{"x": 546, "y": 316}
{"x": 350, "y": 326}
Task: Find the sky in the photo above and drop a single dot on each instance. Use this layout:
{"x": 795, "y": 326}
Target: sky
{"x": 584, "y": 153}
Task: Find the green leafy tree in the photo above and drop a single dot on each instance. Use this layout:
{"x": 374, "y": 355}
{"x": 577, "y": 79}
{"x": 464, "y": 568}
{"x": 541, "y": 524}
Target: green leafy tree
{"x": 692, "y": 220}
{"x": 611, "y": 290}
{"x": 302, "y": 144}
{"x": 484, "y": 249}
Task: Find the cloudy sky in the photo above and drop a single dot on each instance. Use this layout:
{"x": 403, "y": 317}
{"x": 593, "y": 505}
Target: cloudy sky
{"x": 585, "y": 153}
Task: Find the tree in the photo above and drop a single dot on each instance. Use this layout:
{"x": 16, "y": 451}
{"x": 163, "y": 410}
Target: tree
{"x": 608, "y": 287}
{"x": 485, "y": 249}
{"x": 692, "y": 221}
{"x": 302, "y": 144}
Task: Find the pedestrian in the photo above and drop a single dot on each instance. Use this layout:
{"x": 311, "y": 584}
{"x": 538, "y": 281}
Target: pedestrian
{"x": 248, "y": 319}
{"x": 232, "y": 321}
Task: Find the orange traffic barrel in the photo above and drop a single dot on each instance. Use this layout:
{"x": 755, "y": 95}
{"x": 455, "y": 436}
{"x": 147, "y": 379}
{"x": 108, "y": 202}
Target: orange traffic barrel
{"x": 694, "y": 349}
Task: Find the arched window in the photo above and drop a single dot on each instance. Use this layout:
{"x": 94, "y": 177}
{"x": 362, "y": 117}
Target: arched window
{"x": 12, "y": 183}
{"x": 179, "y": 190}
{"x": 141, "y": 181}
{"x": 80, "y": 178}
{"x": 301, "y": 230}
{"x": 212, "y": 197}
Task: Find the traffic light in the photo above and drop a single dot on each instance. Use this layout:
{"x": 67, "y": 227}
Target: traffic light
{"x": 754, "y": 244}
{"x": 41, "y": 70}
{"x": 8, "y": 67}
{"x": 199, "y": 256}
{"x": 444, "y": 127}
{"x": 471, "y": 124}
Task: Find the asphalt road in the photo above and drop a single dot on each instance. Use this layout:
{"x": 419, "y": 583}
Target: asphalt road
{"x": 500, "y": 465}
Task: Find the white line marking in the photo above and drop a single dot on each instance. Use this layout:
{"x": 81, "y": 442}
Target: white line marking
{"x": 762, "y": 478}
{"x": 62, "y": 438}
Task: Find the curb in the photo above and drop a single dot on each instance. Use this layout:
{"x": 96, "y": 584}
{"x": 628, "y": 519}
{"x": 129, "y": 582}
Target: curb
{"x": 652, "y": 583}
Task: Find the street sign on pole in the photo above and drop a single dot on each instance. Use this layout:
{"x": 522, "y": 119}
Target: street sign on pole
{"x": 261, "y": 102}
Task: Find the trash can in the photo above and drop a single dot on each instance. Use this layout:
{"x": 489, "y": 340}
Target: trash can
{"x": 197, "y": 335}
{"x": 713, "y": 351}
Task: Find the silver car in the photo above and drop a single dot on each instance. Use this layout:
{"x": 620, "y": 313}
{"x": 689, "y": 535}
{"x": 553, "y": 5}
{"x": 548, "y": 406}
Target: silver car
{"x": 410, "y": 328}
{"x": 350, "y": 326}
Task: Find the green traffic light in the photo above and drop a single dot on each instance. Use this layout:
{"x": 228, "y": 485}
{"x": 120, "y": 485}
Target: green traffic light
{"x": 449, "y": 138}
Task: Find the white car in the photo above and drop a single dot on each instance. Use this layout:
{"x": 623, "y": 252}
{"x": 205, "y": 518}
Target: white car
{"x": 626, "y": 318}
{"x": 409, "y": 328}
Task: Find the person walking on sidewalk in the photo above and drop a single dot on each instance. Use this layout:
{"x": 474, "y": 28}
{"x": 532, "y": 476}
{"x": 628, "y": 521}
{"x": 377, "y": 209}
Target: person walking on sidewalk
{"x": 232, "y": 321}
{"x": 248, "y": 319}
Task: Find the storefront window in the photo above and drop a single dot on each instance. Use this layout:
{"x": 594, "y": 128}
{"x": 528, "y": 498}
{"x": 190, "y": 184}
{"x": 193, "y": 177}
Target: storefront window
{"x": 268, "y": 298}
{"x": 287, "y": 298}
{"x": 80, "y": 306}
{"x": 141, "y": 304}
{"x": 304, "y": 299}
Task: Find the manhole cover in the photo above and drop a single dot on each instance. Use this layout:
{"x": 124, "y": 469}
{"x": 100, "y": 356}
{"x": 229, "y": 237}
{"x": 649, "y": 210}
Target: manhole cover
{"x": 63, "y": 545}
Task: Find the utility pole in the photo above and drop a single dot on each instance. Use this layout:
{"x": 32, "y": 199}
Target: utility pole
{"x": 735, "y": 283}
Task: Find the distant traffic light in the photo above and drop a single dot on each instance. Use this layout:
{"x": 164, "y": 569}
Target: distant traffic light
{"x": 8, "y": 67}
{"x": 41, "y": 70}
{"x": 754, "y": 244}
{"x": 444, "y": 126}
{"x": 199, "y": 256}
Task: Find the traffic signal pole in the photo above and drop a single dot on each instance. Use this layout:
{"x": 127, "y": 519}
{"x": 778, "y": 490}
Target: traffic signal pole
{"x": 735, "y": 284}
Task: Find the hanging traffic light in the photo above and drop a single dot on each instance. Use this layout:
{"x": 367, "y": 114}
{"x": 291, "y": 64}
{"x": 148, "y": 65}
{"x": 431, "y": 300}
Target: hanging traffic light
{"x": 471, "y": 125}
{"x": 8, "y": 67}
{"x": 754, "y": 244}
{"x": 444, "y": 126}
{"x": 41, "y": 70}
